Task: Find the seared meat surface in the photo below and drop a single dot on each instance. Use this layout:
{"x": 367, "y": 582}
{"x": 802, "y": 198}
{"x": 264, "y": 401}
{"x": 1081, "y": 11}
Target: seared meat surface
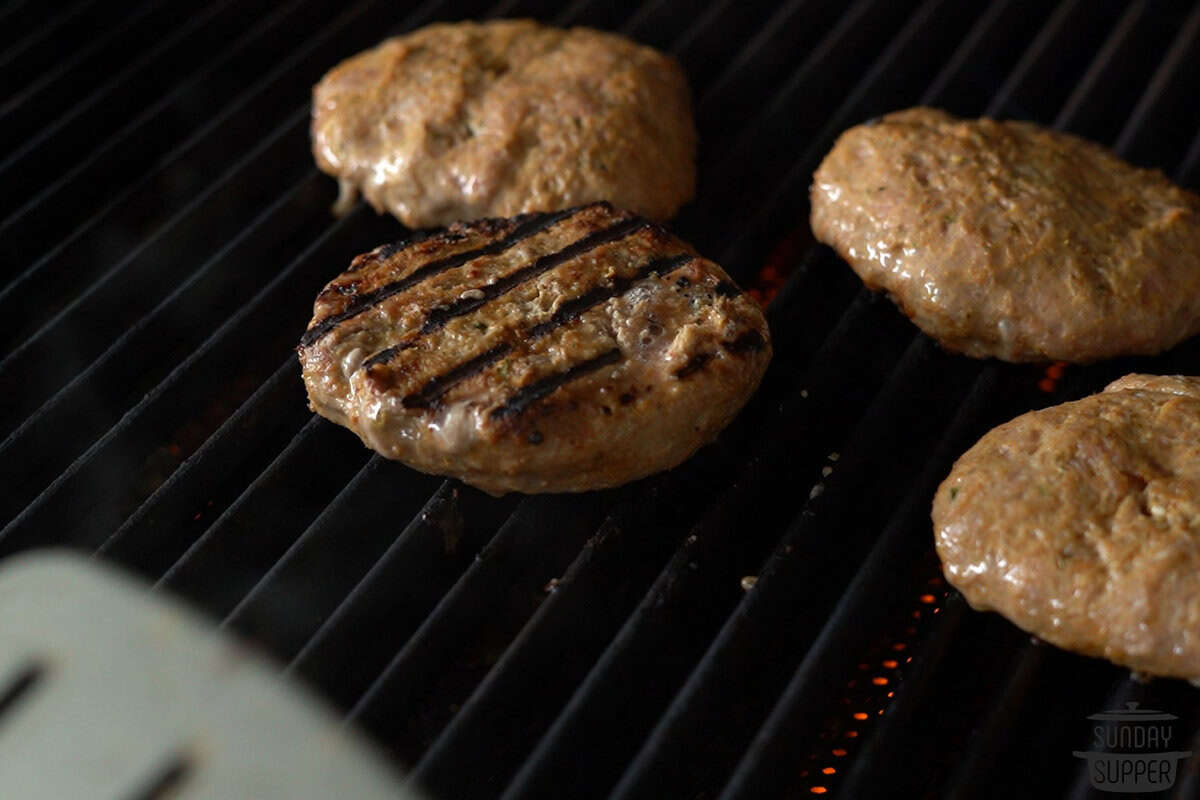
{"x": 559, "y": 351}
{"x": 470, "y": 120}
{"x": 1005, "y": 239}
{"x": 1081, "y": 524}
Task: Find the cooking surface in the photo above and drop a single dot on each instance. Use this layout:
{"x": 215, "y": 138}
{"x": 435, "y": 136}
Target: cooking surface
{"x": 766, "y": 620}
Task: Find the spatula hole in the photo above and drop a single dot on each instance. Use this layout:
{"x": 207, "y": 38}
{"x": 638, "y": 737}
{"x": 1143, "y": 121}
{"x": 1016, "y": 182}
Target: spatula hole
{"x": 170, "y": 776}
{"x": 20, "y": 684}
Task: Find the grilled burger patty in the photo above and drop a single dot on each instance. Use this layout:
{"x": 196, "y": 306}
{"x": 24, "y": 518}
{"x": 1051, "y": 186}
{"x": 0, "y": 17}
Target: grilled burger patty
{"x": 470, "y": 120}
{"x": 548, "y": 352}
{"x": 1081, "y": 524}
{"x": 1005, "y": 239}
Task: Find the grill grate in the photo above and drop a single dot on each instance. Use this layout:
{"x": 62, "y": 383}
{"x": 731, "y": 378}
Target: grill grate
{"x": 161, "y": 251}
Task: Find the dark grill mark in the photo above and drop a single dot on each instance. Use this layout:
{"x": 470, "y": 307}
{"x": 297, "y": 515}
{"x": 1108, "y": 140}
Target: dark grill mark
{"x": 572, "y": 309}
{"x": 389, "y": 250}
{"x": 431, "y": 393}
{"x": 443, "y": 314}
{"x": 694, "y": 365}
{"x": 535, "y": 391}
{"x": 566, "y": 312}
{"x": 384, "y": 356}
{"x": 363, "y": 302}
{"x": 749, "y": 342}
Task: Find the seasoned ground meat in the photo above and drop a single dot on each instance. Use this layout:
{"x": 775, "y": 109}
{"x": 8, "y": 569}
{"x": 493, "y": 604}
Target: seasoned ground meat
{"x": 548, "y": 352}
{"x": 1005, "y": 239}
{"x": 457, "y": 122}
{"x": 1081, "y": 524}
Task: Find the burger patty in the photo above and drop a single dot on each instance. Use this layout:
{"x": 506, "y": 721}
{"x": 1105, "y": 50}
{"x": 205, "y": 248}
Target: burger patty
{"x": 1005, "y": 239}
{"x": 468, "y": 120}
{"x": 548, "y": 352}
{"x": 1081, "y": 524}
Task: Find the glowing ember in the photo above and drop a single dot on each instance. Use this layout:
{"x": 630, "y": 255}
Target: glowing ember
{"x": 1053, "y": 375}
{"x": 780, "y": 264}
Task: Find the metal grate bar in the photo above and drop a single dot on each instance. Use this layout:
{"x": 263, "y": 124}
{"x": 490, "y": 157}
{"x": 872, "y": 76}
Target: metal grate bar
{"x": 37, "y": 445}
{"x": 149, "y": 349}
{"x": 162, "y": 527}
{"x": 503, "y": 586}
{"x": 18, "y": 17}
{"x": 1189, "y": 173}
{"x": 63, "y": 83}
{"x": 95, "y": 507}
{"x": 255, "y": 531}
{"x": 552, "y": 651}
{"x": 52, "y": 147}
{"x": 761, "y": 61}
{"x": 1173, "y": 83}
{"x": 121, "y": 158}
{"x": 357, "y": 525}
{"x": 400, "y": 590}
{"x": 860, "y": 610}
{"x": 181, "y": 173}
{"x": 747, "y": 158}
{"x": 924, "y": 380}
{"x": 25, "y": 50}
{"x": 1109, "y": 59}
{"x": 989, "y": 738}
{"x": 1045, "y": 46}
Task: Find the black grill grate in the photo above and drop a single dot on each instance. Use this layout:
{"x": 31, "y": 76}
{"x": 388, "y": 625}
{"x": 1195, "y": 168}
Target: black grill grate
{"x": 164, "y": 234}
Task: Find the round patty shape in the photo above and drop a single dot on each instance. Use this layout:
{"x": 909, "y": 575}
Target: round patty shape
{"x": 1081, "y": 524}
{"x": 1009, "y": 240}
{"x": 548, "y": 352}
{"x": 468, "y": 120}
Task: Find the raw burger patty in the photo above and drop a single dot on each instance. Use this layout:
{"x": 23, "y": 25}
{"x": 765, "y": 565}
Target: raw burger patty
{"x": 1005, "y": 239}
{"x": 548, "y": 352}
{"x": 469, "y": 120}
{"x": 1081, "y": 524}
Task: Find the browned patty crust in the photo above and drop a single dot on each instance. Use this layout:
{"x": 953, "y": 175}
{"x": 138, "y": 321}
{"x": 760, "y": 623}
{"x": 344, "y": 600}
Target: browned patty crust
{"x": 1009, "y": 240}
{"x": 1081, "y": 524}
{"x": 548, "y": 352}
{"x": 468, "y": 120}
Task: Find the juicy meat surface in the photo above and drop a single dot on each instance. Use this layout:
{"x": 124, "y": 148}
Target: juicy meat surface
{"x": 558, "y": 351}
{"x": 1009, "y": 240}
{"x": 468, "y": 120}
{"x": 1081, "y": 524}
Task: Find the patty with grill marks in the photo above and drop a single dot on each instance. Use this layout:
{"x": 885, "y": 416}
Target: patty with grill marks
{"x": 1009, "y": 240}
{"x": 468, "y": 120}
{"x": 1081, "y": 524}
{"x": 547, "y": 352}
